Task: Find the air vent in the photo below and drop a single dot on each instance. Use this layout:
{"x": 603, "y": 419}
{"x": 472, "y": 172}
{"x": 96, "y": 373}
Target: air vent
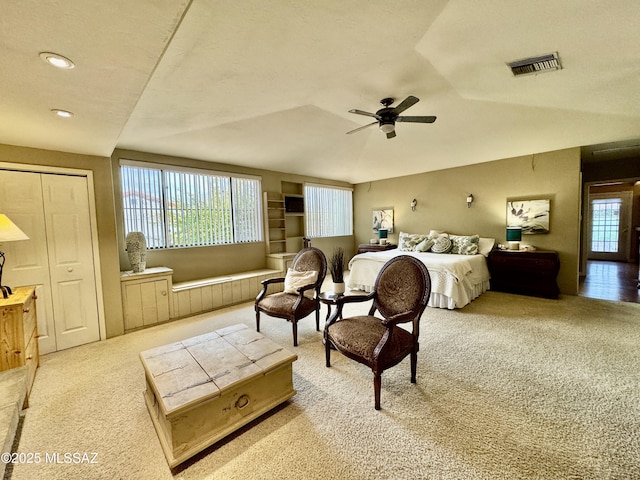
{"x": 534, "y": 65}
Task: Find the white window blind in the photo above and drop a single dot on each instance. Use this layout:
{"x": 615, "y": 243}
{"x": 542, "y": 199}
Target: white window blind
{"x": 142, "y": 200}
{"x": 247, "y": 211}
{"x": 179, "y": 208}
{"x": 328, "y": 210}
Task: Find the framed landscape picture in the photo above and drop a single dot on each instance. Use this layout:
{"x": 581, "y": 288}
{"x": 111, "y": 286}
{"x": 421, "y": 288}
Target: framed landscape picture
{"x": 531, "y": 215}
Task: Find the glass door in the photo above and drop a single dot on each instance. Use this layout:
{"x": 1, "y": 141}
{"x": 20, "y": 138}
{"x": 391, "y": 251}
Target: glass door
{"x": 609, "y": 226}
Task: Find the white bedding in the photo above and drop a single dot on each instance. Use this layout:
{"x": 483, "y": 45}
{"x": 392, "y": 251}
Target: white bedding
{"x": 455, "y": 279}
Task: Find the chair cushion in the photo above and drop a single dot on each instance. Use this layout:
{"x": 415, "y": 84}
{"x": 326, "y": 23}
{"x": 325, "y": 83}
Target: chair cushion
{"x": 360, "y": 335}
{"x": 295, "y": 279}
{"x": 281, "y": 305}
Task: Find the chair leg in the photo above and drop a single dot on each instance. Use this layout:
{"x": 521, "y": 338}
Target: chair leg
{"x": 377, "y": 385}
{"x": 327, "y": 352}
{"x": 414, "y": 364}
{"x": 295, "y": 333}
{"x": 257, "y": 320}
{"x": 318, "y": 319}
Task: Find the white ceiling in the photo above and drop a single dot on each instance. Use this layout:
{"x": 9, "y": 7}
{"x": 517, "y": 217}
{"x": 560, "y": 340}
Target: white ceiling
{"x": 268, "y": 84}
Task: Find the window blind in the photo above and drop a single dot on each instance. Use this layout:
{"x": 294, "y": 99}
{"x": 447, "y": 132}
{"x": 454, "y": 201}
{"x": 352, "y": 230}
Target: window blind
{"x": 328, "y": 210}
{"x": 185, "y": 208}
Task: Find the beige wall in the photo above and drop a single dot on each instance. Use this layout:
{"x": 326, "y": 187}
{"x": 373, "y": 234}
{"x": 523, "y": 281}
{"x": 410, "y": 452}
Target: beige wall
{"x": 105, "y": 216}
{"x": 441, "y": 197}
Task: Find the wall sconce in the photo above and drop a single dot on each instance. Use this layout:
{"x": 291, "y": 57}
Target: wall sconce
{"x": 414, "y": 204}
{"x": 469, "y": 200}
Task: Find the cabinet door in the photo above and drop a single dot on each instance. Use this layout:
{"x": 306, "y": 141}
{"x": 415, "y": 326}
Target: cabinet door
{"x": 145, "y": 303}
{"x": 155, "y": 302}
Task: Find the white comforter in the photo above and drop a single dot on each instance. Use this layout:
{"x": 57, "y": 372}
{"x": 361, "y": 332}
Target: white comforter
{"x": 455, "y": 279}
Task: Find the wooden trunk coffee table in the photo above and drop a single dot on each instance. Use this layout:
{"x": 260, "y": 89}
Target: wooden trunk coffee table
{"x": 203, "y": 388}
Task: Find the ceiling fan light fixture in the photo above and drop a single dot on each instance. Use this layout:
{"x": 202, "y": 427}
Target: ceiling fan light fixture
{"x": 387, "y": 127}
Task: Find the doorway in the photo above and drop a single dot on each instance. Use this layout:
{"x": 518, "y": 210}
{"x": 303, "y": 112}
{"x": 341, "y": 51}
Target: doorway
{"x": 60, "y": 257}
{"x": 609, "y": 227}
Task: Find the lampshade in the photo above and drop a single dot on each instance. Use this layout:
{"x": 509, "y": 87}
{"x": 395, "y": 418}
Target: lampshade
{"x": 382, "y": 233}
{"x": 514, "y": 234}
{"x": 9, "y": 232}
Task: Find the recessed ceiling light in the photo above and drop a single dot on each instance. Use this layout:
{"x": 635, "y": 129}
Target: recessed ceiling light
{"x": 62, "y": 113}
{"x": 57, "y": 60}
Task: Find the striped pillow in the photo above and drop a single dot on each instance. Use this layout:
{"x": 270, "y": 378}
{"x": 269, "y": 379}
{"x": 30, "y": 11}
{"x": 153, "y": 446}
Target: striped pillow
{"x": 442, "y": 244}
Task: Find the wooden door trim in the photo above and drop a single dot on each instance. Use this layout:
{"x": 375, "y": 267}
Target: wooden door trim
{"x": 21, "y": 167}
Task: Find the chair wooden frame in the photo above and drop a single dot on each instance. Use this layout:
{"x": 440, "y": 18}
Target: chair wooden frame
{"x": 393, "y": 343}
{"x": 302, "y": 306}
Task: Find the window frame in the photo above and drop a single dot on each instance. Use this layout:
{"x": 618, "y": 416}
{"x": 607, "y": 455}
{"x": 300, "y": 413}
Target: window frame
{"x": 233, "y": 208}
{"x": 312, "y": 231}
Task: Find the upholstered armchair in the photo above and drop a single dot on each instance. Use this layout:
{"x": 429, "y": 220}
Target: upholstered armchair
{"x": 301, "y": 289}
{"x": 400, "y": 295}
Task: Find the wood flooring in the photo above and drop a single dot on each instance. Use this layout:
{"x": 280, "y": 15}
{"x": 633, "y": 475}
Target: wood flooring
{"x": 611, "y": 281}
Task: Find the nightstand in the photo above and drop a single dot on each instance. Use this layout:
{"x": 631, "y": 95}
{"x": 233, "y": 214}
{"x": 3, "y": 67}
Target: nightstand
{"x": 375, "y": 247}
{"x": 525, "y": 272}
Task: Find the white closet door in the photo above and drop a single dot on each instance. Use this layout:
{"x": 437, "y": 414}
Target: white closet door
{"x": 53, "y": 210}
{"x": 27, "y": 261}
{"x": 68, "y": 225}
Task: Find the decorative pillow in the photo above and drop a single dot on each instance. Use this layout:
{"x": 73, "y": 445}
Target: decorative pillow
{"x": 436, "y": 233}
{"x": 295, "y": 279}
{"x": 425, "y": 245}
{"x": 485, "y": 245}
{"x": 464, "y": 244}
{"x": 442, "y": 244}
{"x": 407, "y": 242}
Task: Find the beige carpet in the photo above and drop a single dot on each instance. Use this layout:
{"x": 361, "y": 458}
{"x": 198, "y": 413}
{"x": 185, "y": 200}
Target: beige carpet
{"x": 509, "y": 387}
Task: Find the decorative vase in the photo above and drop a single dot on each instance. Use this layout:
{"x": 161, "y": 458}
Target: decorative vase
{"x": 338, "y": 288}
{"x": 137, "y": 251}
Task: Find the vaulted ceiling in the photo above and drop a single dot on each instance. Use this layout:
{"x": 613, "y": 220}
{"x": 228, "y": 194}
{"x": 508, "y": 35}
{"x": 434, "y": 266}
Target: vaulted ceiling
{"x": 269, "y": 84}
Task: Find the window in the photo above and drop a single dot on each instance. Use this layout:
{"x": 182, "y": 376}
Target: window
{"x": 186, "y": 208}
{"x": 605, "y": 224}
{"x": 329, "y": 211}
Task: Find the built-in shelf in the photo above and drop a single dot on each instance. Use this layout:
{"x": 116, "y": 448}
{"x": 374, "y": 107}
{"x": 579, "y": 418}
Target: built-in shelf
{"x": 275, "y": 222}
{"x": 284, "y": 219}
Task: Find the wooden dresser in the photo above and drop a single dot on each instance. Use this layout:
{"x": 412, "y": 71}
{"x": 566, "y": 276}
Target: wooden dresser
{"x": 525, "y": 272}
{"x": 19, "y": 333}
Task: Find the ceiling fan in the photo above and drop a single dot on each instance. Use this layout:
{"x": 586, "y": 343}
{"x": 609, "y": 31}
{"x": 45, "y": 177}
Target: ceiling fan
{"x": 387, "y": 117}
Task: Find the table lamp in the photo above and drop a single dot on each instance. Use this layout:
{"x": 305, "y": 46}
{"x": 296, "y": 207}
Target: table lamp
{"x": 9, "y": 232}
{"x": 514, "y": 235}
{"x": 382, "y": 235}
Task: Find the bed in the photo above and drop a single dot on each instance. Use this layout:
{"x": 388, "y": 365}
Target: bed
{"x": 456, "y": 279}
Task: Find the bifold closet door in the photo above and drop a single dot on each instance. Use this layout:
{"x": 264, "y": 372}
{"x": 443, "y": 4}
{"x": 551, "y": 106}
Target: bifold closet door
{"x": 53, "y": 210}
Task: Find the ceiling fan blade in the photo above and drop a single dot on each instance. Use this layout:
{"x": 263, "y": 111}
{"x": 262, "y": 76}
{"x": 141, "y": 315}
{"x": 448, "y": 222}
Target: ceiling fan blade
{"x": 406, "y": 103}
{"x": 391, "y": 134}
{"x": 362, "y": 128}
{"x": 416, "y": 119}
{"x": 361, "y": 112}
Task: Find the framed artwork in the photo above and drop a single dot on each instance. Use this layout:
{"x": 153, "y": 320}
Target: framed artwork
{"x": 383, "y": 219}
{"x": 531, "y": 215}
